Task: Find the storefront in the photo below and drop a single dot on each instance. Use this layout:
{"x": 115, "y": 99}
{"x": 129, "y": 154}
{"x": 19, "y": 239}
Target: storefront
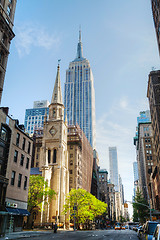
{"x": 15, "y": 219}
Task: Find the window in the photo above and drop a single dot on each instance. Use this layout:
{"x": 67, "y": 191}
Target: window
{"x": 1, "y": 151}
{"x": 27, "y": 163}
{"x": 70, "y": 171}
{"x": 4, "y": 39}
{"x": 15, "y": 156}
{"x": 8, "y": 10}
{"x": 19, "y": 180}
{"x": 23, "y": 144}
{"x": 49, "y": 156}
{"x": 54, "y": 155}
{"x": 29, "y": 147}
{"x": 22, "y": 160}
{"x": 4, "y": 134}
{"x": 1, "y": 58}
{"x": 17, "y": 139}
{"x": 71, "y": 155}
{"x": 25, "y": 183}
{"x": 13, "y": 178}
{"x": 71, "y": 162}
{"x": 71, "y": 147}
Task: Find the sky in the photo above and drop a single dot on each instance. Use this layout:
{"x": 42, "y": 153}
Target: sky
{"x": 120, "y": 43}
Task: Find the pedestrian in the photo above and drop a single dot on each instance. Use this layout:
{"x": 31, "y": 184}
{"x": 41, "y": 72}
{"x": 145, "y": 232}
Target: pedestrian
{"x": 55, "y": 228}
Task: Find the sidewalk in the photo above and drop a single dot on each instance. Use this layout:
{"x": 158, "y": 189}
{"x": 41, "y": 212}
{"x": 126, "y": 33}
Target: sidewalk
{"x": 24, "y": 234}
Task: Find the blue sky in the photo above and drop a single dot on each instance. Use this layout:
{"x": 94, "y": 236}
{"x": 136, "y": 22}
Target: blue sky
{"x": 119, "y": 41}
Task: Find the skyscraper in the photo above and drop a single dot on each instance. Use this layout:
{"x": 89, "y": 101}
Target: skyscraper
{"x": 34, "y": 117}
{"x": 79, "y": 96}
{"x": 7, "y": 11}
{"x": 113, "y": 166}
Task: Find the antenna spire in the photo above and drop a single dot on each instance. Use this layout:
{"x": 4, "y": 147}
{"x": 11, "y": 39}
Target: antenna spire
{"x": 80, "y": 33}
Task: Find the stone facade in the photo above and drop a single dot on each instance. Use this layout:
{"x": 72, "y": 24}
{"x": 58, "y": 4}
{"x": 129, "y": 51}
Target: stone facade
{"x": 7, "y": 12}
{"x": 15, "y": 163}
{"x": 153, "y": 94}
{"x": 80, "y": 159}
{"x": 145, "y": 158}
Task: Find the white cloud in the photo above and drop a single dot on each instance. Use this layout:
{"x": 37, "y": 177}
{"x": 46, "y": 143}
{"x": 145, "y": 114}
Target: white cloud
{"x": 123, "y": 103}
{"x": 29, "y": 35}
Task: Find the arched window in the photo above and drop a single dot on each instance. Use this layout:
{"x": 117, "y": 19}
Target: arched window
{"x": 49, "y": 156}
{"x": 54, "y": 112}
{"x": 54, "y": 155}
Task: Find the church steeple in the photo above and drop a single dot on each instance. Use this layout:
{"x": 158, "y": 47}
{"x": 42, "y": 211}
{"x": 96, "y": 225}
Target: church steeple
{"x": 57, "y": 93}
{"x": 56, "y": 108}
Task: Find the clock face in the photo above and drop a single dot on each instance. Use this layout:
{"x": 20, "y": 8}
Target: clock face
{"x": 52, "y": 131}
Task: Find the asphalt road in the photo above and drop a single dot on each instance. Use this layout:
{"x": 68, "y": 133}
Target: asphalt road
{"x": 91, "y": 235}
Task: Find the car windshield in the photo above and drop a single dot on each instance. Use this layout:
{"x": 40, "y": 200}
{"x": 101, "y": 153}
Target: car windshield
{"x": 151, "y": 228}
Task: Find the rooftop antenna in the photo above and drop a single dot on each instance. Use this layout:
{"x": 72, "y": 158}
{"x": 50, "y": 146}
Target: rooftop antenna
{"x": 59, "y": 61}
{"x": 79, "y": 33}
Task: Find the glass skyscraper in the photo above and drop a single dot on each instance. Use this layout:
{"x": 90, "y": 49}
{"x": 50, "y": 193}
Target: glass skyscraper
{"x": 34, "y": 117}
{"x": 79, "y": 95}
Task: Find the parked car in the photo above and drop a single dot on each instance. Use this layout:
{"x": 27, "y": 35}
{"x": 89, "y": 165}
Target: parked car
{"x": 148, "y": 230}
{"x": 123, "y": 228}
{"x": 156, "y": 235}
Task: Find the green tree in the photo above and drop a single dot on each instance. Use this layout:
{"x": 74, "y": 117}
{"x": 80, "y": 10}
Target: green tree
{"x": 140, "y": 208}
{"x": 38, "y": 193}
{"x": 87, "y": 206}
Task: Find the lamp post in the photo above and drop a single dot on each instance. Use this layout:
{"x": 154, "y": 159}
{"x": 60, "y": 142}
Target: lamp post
{"x": 149, "y": 207}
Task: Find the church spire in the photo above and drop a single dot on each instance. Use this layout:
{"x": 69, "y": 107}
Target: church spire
{"x": 80, "y": 47}
{"x": 57, "y": 93}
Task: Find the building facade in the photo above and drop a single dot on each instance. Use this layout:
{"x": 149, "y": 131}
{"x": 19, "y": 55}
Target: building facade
{"x": 80, "y": 159}
{"x": 79, "y": 96}
{"x": 113, "y": 167}
{"x": 15, "y": 162}
{"x": 34, "y": 117}
{"x": 156, "y": 19}
{"x": 136, "y": 178}
{"x": 103, "y": 185}
{"x": 145, "y": 158}
{"x": 154, "y": 104}
{"x": 7, "y": 12}
{"x": 111, "y": 202}
{"x": 95, "y": 175}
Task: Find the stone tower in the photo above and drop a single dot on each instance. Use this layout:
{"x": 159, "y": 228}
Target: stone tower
{"x": 54, "y": 156}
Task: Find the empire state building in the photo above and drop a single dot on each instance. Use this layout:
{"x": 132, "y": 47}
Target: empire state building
{"x": 79, "y": 95}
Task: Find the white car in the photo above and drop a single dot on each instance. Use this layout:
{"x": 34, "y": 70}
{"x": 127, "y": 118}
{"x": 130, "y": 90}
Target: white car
{"x": 156, "y": 235}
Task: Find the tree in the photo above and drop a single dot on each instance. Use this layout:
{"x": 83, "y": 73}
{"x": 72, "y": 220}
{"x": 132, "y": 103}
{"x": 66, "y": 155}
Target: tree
{"x": 38, "y": 193}
{"x": 140, "y": 208}
{"x": 84, "y": 206}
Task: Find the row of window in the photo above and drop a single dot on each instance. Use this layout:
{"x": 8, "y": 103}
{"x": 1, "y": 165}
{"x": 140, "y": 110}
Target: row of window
{"x": 19, "y": 180}
{"x": 21, "y": 159}
{"x": 23, "y": 143}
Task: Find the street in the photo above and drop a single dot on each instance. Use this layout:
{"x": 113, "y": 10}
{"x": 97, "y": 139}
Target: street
{"x": 95, "y": 235}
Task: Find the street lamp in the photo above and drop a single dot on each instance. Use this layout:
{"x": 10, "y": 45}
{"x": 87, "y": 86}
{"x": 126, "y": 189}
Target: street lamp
{"x": 149, "y": 207}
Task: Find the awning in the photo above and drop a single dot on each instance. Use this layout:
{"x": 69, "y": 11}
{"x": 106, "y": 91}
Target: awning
{"x": 18, "y": 211}
{"x": 23, "y": 212}
{"x": 13, "y": 211}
